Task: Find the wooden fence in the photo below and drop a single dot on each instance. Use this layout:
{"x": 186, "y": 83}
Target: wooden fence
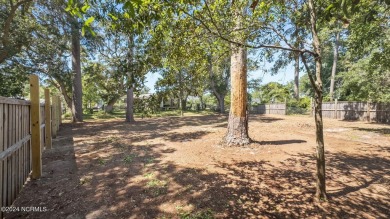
{"x": 269, "y": 108}
{"x": 364, "y": 111}
{"x": 25, "y": 130}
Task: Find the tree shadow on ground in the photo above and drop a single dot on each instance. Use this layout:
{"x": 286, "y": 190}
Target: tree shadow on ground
{"x": 384, "y": 131}
{"x": 115, "y": 179}
{"x": 156, "y": 127}
{"x": 181, "y": 137}
{"x": 264, "y": 118}
{"x": 281, "y": 142}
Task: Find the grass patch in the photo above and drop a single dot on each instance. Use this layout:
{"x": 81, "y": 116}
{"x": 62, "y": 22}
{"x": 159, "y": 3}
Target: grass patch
{"x": 101, "y": 161}
{"x": 155, "y": 183}
{"x": 121, "y": 114}
{"x": 129, "y": 158}
{"x": 155, "y": 187}
{"x": 104, "y": 115}
{"x": 149, "y": 175}
{"x": 148, "y": 160}
{"x": 111, "y": 139}
{"x": 120, "y": 146}
{"x": 206, "y": 214}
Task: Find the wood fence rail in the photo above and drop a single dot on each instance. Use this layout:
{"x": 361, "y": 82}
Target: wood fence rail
{"x": 269, "y": 108}
{"x": 26, "y": 128}
{"x": 353, "y": 110}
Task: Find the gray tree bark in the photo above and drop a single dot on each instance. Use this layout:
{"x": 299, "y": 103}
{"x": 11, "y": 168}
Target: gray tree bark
{"x": 110, "y": 105}
{"x": 317, "y": 85}
{"x": 130, "y": 105}
{"x": 334, "y": 66}
{"x": 220, "y": 96}
{"x": 296, "y": 76}
{"x": 77, "y": 98}
{"x": 130, "y": 90}
{"x": 296, "y": 64}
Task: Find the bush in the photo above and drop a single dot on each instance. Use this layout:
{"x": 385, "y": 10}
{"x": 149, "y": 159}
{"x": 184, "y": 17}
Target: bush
{"x": 301, "y": 106}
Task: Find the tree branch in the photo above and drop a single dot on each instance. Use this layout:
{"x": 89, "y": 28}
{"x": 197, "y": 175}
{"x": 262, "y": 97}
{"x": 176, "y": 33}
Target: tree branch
{"x": 310, "y": 74}
{"x": 259, "y": 46}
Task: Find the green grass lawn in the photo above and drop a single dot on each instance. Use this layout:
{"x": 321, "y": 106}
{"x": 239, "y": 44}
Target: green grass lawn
{"x": 121, "y": 114}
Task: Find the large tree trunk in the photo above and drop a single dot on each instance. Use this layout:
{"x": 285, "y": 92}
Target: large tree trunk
{"x": 77, "y": 101}
{"x": 317, "y": 85}
{"x": 110, "y": 105}
{"x": 130, "y": 81}
{"x": 334, "y": 66}
{"x": 221, "y": 102}
{"x": 130, "y": 105}
{"x": 183, "y": 104}
{"x": 237, "y": 132}
{"x": 296, "y": 64}
{"x": 220, "y": 97}
{"x": 181, "y": 95}
{"x": 60, "y": 85}
{"x": 201, "y": 103}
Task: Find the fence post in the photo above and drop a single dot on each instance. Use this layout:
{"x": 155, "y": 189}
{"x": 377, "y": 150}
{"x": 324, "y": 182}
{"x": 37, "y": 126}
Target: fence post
{"x": 48, "y": 119}
{"x": 58, "y": 114}
{"x": 3, "y": 140}
{"x": 369, "y": 111}
{"x": 335, "y": 109}
{"x": 60, "y": 110}
{"x": 269, "y": 108}
{"x": 36, "y": 152}
{"x": 285, "y": 106}
{"x": 54, "y": 116}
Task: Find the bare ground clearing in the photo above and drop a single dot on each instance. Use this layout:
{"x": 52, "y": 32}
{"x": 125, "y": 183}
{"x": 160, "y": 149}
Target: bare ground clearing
{"x": 174, "y": 167}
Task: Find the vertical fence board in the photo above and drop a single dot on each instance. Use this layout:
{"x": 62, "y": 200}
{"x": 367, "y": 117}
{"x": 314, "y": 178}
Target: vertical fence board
{"x": 10, "y": 158}
{"x": 270, "y": 108}
{"x": 5, "y": 162}
{"x": 48, "y": 142}
{"x": 13, "y": 129}
{"x": 58, "y": 113}
{"x": 1, "y": 149}
{"x": 16, "y": 169}
{"x": 54, "y": 116}
{"x": 35, "y": 128}
{"x": 363, "y": 111}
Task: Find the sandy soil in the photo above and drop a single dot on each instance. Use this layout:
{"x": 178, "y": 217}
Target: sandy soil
{"x": 175, "y": 167}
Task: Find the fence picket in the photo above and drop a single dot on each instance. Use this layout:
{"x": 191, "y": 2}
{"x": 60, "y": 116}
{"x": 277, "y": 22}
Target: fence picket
{"x": 1, "y": 149}
{"x": 19, "y": 118}
{"x": 364, "y": 111}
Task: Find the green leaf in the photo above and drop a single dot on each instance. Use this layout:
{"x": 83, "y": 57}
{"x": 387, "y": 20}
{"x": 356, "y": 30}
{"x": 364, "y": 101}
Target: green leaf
{"x": 85, "y": 8}
{"x": 137, "y": 2}
{"x": 329, "y": 7}
{"x": 128, "y": 6}
{"x": 113, "y": 17}
{"x": 89, "y": 21}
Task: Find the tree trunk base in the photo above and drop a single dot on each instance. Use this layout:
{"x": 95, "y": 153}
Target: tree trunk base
{"x": 237, "y": 134}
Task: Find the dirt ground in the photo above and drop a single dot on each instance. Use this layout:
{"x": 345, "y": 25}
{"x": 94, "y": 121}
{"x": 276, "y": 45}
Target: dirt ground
{"x": 175, "y": 167}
